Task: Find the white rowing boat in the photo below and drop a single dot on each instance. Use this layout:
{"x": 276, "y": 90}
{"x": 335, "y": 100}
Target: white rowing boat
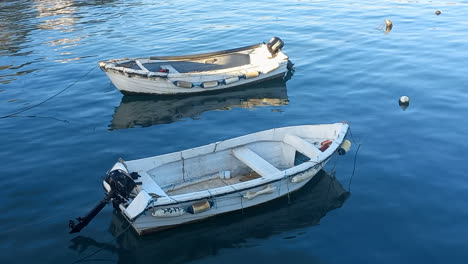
{"x": 168, "y": 190}
{"x": 198, "y": 73}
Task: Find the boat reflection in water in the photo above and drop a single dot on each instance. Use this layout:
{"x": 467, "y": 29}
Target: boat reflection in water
{"x": 144, "y": 111}
{"x": 304, "y": 208}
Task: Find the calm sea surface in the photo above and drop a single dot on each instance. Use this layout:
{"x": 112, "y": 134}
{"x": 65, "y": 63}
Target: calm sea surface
{"x": 408, "y": 196}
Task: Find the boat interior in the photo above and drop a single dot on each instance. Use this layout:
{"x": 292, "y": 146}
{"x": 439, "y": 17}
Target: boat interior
{"x": 211, "y": 63}
{"x": 235, "y": 165}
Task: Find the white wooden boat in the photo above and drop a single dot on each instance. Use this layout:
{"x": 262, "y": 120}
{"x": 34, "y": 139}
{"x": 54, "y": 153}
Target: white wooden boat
{"x": 200, "y": 72}
{"x": 144, "y": 111}
{"x": 164, "y": 191}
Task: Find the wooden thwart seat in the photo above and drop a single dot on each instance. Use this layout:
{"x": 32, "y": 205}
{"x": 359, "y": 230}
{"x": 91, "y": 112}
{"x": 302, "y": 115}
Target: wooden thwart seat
{"x": 255, "y": 162}
{"x": 303, "y": 146}
{"x": 151, "y": 186}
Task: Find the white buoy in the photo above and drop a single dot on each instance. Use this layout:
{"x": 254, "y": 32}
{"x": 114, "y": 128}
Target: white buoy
{"x": 404, "y": 102}
{"x": 404, "y": 99}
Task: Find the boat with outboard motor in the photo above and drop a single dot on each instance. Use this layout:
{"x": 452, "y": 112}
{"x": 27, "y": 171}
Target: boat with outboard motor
{"x": 159, "y": 192}
{"x": 198, "y": 73}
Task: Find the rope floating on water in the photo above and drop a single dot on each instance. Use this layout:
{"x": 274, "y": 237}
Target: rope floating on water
{"x": 48, "y": 99}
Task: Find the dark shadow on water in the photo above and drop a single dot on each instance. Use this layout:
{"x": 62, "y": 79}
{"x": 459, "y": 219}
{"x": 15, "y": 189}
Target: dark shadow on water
{"x": 304, "y": 208}
{"x": 145, "y": 111}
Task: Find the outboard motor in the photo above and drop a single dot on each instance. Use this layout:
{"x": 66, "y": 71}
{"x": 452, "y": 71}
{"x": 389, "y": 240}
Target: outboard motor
{"x": 274, "y": 45}
{"x": 118, "y": 184}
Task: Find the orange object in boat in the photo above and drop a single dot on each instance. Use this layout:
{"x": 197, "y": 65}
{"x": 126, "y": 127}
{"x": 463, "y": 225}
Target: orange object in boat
{"x": 325, "y": 144}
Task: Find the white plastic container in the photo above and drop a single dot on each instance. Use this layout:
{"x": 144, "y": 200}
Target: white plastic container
{"x": 225, "y": 174}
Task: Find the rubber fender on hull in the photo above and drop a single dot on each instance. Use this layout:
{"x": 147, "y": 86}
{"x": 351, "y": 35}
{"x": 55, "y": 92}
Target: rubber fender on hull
{"x": 183, "y": 84}
{"x": 345, "y": 147}
{"x": 231, "y": 80}
{"x": 251, "y": 74}
{"x": 169, "y": 212}
{"x": 200, "y": 207}
{"x": 209, "y": 84}
{"x": 303, "y": 176}
{"x": 267, "y": 190}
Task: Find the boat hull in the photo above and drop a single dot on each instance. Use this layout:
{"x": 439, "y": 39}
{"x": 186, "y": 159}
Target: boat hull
{"x": 163, "y": 86}
{"x": 147, "y": 223}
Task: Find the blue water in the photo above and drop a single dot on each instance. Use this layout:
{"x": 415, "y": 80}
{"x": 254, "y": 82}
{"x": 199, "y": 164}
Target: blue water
{"x": 408, "y": 195}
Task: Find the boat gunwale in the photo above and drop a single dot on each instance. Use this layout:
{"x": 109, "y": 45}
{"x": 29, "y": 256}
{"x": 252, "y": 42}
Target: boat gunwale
{"x": 144, "y": 74}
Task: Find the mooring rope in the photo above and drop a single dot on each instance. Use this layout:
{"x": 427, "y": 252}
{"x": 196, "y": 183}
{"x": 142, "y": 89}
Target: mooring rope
{"x": 45, "y": 117}
{"x": 48, "y": 99}
{"x": 287, "y": 186}
{"x": 354, "y": 167}
{"x": 355, "y": 158}
{"x": 29, "y": 224}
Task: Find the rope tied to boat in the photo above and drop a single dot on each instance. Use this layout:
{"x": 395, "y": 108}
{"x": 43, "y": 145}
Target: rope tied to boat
{"x": 355, "y": 158}
{"x": 213, "y": 199}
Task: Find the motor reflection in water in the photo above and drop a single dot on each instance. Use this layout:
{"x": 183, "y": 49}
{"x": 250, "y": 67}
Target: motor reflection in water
{"x": 145, "y": 111}
{"x": 302, "y": 209}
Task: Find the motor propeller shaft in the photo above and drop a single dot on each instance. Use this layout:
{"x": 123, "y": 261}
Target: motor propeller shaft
{"x": 84, "y": 221}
